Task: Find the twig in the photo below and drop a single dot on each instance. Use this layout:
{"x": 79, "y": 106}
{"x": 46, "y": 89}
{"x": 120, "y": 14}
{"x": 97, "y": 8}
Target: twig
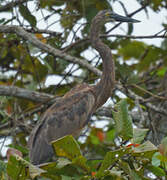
{"x": 135, "y": 37}
{"x": 148, "y": 92}
{"x": 134, "y": 96}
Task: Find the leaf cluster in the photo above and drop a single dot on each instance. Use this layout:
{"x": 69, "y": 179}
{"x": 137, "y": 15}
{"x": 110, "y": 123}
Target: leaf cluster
{"x": 131, "y": 159}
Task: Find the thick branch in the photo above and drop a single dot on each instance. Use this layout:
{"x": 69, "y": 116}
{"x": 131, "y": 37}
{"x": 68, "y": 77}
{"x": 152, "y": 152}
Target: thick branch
{"x": 24, "y": 93}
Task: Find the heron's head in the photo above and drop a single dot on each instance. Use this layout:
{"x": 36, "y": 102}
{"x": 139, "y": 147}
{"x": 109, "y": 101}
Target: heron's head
{"x": 110, "y": 16}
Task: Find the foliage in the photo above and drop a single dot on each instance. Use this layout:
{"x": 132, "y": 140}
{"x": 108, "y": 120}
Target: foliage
{"x": 112, "y": 161}
{"x": 115, "y": 151}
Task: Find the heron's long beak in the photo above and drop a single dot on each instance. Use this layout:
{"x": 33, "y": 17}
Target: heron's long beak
{"x": 120, "y": 18}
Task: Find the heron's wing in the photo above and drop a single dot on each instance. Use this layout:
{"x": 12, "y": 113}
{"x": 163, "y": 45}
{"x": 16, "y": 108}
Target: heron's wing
{"x": 67, "y": 116}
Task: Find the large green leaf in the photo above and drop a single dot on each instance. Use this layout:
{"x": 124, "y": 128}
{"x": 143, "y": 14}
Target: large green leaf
{"x": 156, "y": 160}
{"x": 156, "y": 170}
{"x": 67, "y": 147}
{"x": 122, "y": 120}
{"x": 17, "y": 168}
{"x": 110, "y": 158}
{"x": 139, "y": 135}
{"x": 147, "y": 149}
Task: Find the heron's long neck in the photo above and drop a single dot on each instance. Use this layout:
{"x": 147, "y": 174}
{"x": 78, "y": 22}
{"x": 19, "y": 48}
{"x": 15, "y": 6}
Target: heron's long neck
{"x": 104, "y": 88}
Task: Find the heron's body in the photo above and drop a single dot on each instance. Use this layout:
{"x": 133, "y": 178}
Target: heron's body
{"x": 72, "y": 112}
{"x": 68, "y": 116}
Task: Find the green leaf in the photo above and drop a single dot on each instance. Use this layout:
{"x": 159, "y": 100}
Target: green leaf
{"x": 162, "y": 158}
{"x": 131, "y": 49}
{"x": 17, "y": 168}
{"x": 50, "y": 3}
{"x": 146, "y": 146}
{"x": 35, "y": 171}
{"x": 94, "y": 140}
{"x": 135, "y": 176}
{"x": 161, "y": 72}
{"x": 3, "y": 52}
{"x": 156, "y": 170}
{"x": 52, "y": 169}
{"x": 155, "y": 160}
{"x": 110, "y": 158}
{"x": 81, "y": 162}
{"x": 27, "y": 15}
{"x": 94, "y": 164}
{"x": 24, "y": 150}
{"x": 116, "y": 173}
{"x": 132, "y": 174}
{"x": 122, "y": 120}
{"x": 153, "y": 54}
{"x": 67, "y": 147}
{"x": 139, "y": 135}
{"x": 147, "y": 149}
{"x": 2, "y": 170}
{"x": 110, "y": 135}
{"x": 61, "y": 162}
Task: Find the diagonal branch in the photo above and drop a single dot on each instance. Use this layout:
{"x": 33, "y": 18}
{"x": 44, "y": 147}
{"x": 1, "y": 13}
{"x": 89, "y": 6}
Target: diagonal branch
{"x": 47, "y": 48}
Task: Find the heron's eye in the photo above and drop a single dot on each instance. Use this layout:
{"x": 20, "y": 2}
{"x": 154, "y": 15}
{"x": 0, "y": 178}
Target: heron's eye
{"x": 107, "y": 14}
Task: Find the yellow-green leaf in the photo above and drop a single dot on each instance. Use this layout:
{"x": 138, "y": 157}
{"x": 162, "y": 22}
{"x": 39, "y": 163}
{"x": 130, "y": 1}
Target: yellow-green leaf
{"x": 67, "y": 147}
{"x": 122, "y": 120}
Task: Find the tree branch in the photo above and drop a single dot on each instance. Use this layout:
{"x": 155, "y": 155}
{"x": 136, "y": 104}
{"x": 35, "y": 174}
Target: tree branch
{"x": 135, "y": 37}
{"x": 46, "y": 47}
{"x": 24, "y": 93}
{"x": 87, "y": 40}
{"x": 45, "y": 31}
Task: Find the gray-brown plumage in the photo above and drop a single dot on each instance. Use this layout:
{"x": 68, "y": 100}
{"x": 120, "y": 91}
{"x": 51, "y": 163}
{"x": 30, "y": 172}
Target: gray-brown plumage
{"x": 73, "y": 111}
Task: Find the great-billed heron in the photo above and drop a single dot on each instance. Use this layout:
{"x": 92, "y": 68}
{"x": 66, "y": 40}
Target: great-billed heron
{"x": 73, "y": 111}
